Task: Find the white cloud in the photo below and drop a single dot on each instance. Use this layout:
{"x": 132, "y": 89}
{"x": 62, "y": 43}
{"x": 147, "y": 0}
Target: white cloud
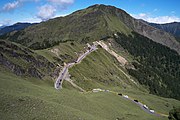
{"x": 11, "y": 6}
{"x": 49, "y": 10}
{"x": 159, "y": 19}
{"x": 46, "y": 12}
{"x": 5, "y": 22}
{"x": 142, "y": 15}
{"x": 61, "y": 15}
{"x": 31, "y": 20}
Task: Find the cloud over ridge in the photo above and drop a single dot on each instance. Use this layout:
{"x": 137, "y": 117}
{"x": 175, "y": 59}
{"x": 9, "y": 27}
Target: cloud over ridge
{"x": 158, "y": 19}
{"x": 46, "y": 12}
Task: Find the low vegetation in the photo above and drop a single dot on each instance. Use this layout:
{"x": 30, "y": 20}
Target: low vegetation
{"x": 156, "y": 66}
{"x": 174, "y": 114}
{"x": 100, "y": 69}
{"x": 31, "y": 98}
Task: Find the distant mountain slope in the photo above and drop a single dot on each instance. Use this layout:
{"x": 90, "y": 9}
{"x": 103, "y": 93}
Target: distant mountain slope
{"x": 17, "y": 26}
{"x": 92, "y": 23}
{"x": 173, "y": 28}
{"x": 156, "y": 66}
{"x": 2, "y": 26}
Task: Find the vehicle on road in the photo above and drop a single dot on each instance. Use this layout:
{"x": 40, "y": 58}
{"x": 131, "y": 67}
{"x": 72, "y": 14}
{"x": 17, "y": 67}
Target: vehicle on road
{"x": 125, "y": 96}
{"x": 152, "y": 111}
{"x": 136, "y": 101}
{"x": 120, "y": 94}
{"x": 146, "y": 107}
{"x": 106, "y": 90}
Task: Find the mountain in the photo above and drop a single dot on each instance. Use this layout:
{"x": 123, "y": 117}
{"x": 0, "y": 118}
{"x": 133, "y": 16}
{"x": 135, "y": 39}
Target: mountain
{"x": 2, "y": 26}
{"x": 25, "y": 96}
{"x": 103, "y": 22}
{"x": 156, "y": 66}
{"x": 92, "y": 23}
{"x": 173, "y": 28}
{"x": 15, "y": 27}
{"x": 132, "y": 74}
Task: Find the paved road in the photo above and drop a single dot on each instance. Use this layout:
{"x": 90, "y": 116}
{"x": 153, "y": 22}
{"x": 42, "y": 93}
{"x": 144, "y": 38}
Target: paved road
{"x": 58, "y": 83}
{"x": 147, "y": 110}
{"x": 141, "y": 105}
{"x": 63, "y": 73}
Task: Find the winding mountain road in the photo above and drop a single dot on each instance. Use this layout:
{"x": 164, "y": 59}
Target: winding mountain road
{"x": 64, "y": 72}
{"x": 141, "y": 105}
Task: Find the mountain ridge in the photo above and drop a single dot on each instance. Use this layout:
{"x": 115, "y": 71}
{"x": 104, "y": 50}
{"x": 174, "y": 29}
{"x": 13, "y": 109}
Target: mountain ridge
{"x": 172, "y": 28}
{"x": 15, "y": 27}
{"x": 92, "y": 23}
{"x": 126, "y": 65}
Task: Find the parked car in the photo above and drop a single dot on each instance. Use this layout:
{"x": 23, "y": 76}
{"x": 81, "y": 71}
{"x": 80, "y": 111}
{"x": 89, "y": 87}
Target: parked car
{"x": 120, "y": 94}
{"x": 125, "y": 96}
{"x": 152, "y": 111}
{"x": 146, "y": 107}
{"x": 136, "y": 101}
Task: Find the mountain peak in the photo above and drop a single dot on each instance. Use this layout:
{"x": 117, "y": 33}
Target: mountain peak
{"x": 101, "y": 6}
{"x": 92, "y": 23}
{"x": 105, "y": 7}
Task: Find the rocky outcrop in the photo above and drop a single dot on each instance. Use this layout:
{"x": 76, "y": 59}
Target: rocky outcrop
{"x": 34, "y": 72}
{"x": 23, "y": 61}
{"x": 13, "y": 67}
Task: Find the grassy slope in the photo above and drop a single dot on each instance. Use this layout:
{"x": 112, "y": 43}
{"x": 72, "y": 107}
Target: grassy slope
{"x": 116, "y": 25}
{"x": 99, "y": 69}
{"x": 70, "y": 48}
{"x": 34, "y": 99}
{"x": 93, "y": 23}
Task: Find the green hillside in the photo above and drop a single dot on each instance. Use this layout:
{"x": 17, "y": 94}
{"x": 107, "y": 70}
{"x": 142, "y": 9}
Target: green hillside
{"x": 85, "y": 25}
{"x": 33, "y": 99}
{"x": 30, "y": 98}
{"x": 100, "y": 69}
{"x": 32, "y": 59}
{"x": 156, "y": 66}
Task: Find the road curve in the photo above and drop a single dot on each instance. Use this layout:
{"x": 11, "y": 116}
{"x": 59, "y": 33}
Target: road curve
{"x": 141, "y": 105}
{"x": 63, "y": 73}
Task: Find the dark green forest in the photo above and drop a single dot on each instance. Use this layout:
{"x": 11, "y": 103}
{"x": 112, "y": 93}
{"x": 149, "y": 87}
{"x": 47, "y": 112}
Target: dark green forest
{"x": 174, "y": 114}
{"x": 157, "y": 66}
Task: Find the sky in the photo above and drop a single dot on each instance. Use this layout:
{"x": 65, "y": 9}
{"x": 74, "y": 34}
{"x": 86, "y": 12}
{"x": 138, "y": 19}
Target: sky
{"x": 156, "y": 11}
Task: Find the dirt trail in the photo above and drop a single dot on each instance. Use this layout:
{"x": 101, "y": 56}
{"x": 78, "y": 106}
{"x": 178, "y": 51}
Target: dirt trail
{"x": 74, "y": 85}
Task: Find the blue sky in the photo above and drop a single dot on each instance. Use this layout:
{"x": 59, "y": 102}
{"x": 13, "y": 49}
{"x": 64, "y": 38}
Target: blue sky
{"x": 158, "y": 11}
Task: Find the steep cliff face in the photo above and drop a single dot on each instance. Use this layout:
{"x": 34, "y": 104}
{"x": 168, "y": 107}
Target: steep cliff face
{"x": 23, "y": 61}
